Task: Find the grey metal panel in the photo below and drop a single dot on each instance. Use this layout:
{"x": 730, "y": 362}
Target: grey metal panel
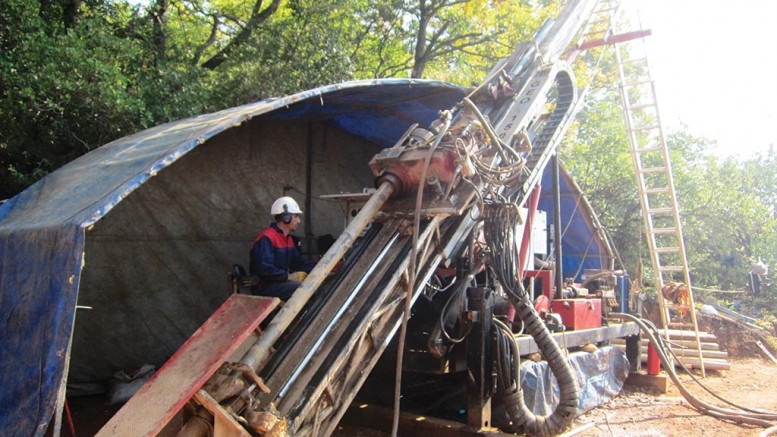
{"x": 584, "y": 336}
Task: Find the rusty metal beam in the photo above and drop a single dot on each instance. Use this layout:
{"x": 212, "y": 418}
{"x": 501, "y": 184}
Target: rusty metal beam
{"x": 615, "y": 39}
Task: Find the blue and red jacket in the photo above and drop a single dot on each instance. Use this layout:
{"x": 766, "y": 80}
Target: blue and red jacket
{"x": 274, "y": 256}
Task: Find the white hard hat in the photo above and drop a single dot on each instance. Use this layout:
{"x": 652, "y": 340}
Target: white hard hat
{"x": 285, "y": 204}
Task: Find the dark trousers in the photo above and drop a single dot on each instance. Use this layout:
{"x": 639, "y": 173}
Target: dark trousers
{"x": 282, "y": 290}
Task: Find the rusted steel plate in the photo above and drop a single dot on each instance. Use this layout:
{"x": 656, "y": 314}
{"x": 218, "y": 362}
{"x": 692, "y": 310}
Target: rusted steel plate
{"x": 157, "y": 402}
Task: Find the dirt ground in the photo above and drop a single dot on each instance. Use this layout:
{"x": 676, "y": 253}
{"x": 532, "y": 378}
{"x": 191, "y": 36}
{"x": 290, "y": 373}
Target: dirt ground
{"x": 751, "y": 382}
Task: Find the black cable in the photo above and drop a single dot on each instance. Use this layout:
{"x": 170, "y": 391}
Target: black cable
{"x": 696, "y": 380}
{"x": 764, "y": 419}
{"x": 458, "y": 292}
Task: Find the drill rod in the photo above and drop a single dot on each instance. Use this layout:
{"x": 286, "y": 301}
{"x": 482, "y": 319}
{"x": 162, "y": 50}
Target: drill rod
{"x": 259, "y": 353}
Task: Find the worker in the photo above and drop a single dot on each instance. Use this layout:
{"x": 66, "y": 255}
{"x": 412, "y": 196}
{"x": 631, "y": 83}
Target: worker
{"x": 275, "y": 254}
{"x": 757, "y": 277}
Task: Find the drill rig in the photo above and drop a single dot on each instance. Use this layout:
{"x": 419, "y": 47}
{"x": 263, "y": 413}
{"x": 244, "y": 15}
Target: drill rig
{"x": 449, "y": 196}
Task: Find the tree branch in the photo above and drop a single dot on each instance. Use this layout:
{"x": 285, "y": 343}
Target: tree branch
{"x": 158, "y": 14}
{"x": 211, "y": 39}
{"x": 256, "y": 19}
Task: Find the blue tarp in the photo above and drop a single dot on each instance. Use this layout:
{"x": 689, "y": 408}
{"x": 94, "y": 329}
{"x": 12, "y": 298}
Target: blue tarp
{"x": 43, "y": 230}
{"x": 583, "y": 245}
{"x": 599, "y": 375}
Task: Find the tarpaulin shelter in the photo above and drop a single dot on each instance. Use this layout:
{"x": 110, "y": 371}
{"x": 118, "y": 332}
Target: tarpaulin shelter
{"x": 113, "y": 260}
{"x": 584, "y": 244}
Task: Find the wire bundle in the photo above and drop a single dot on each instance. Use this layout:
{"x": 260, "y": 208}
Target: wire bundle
{"x": 497, "y": 163}
{"x": 504, "y": 241}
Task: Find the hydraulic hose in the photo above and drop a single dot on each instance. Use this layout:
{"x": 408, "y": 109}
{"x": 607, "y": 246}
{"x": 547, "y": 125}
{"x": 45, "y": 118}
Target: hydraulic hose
{"x": 501, "y": 234}
{"x": 521, "y": 417}
{"x": 762, "y": 419}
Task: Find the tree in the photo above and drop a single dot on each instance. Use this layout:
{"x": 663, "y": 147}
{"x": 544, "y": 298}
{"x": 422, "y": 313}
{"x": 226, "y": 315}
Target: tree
{"x": 453, "y": 40}
{"x": 65, "y": 93}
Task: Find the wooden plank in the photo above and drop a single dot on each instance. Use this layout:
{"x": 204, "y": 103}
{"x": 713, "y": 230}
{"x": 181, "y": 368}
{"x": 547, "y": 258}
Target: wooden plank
{"x": 684, "y": 334}
{"x": 690, "y": 352}
{"x": 706, "y": 353}
{"x": 688, "y": 344}
{"x": 691, "y": 344}
{"x": 225, "y": 425}
{"x": 660, "y": 382}
{"x": 709, "y": 363}
{"x": 157, "y": 402}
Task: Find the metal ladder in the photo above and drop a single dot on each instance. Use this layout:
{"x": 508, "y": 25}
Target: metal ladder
{"x": 655, "y": 182}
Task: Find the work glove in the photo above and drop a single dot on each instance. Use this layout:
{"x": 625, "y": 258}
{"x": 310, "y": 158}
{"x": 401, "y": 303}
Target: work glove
{"x": 297, "y": 276}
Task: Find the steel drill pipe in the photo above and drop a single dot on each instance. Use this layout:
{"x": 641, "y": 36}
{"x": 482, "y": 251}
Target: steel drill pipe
{"x": 259, "y": 353}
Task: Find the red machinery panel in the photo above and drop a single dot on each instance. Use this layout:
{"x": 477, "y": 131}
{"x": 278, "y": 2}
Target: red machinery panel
{"x": 579, "y": 313}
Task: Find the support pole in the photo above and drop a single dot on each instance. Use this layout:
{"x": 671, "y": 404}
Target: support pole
{"x": 259, "y": 353}
{"x": 634, "y": 352}
{"x": 557, "y": 221}
{"x": 479, "y": 358}
{"x": 309, "y": 191}
{"x": 523, "y": 258}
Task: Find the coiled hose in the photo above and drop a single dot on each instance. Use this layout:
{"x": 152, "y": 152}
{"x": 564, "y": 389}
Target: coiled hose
{"x": 743, "y": 416}
{"x": 522, "y": 418}
{"x": 501, "y": 233}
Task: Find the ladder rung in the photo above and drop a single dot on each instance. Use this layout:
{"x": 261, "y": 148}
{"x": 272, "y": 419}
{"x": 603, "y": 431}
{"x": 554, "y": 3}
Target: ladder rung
{"x": 671, "y": 269}
{"x": 641, "y": 106}
{"x": 650, "y": 149}
{"x": 657, "y": 190}
{"x": 664, "y": 231}
{"x": 652, "y": 170}
{"x": 645, "y": 127}
{"x": 633, "y": 60}
{"x": 596, "y": 22}
{"x": 633, "y": 84}
{"x": 596, "y": 35}
{"x": 661, "y": 211}
{"x": 667, "y": 250}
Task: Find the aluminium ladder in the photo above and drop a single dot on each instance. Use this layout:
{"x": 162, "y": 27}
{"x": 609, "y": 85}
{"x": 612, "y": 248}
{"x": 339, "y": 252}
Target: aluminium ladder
{"x": 655, "y": 182}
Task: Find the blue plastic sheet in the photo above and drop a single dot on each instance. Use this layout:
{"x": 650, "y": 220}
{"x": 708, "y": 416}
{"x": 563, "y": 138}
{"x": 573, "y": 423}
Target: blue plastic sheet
{"x": 42, "y": 229}
{"x": 600, "y": 376}
{"x": 583, "y": 244}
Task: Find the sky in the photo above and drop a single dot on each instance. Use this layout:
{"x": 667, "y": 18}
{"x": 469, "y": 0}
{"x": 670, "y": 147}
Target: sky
{"x": 714, "y": 67}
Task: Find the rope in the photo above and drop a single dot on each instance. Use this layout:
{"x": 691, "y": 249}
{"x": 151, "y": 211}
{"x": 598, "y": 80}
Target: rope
{"x": 412, "y": 273}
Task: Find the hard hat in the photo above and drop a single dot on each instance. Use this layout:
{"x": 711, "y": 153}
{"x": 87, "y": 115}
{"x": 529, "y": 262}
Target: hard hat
{"x": 285, "y": 204}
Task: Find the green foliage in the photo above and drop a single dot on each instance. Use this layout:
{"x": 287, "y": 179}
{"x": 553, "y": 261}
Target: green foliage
{"x": 65, "y": 93}
{"x": 728, "y": 217}
{"x": 727, "y": 207}
{"x": 72, "y": 79}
